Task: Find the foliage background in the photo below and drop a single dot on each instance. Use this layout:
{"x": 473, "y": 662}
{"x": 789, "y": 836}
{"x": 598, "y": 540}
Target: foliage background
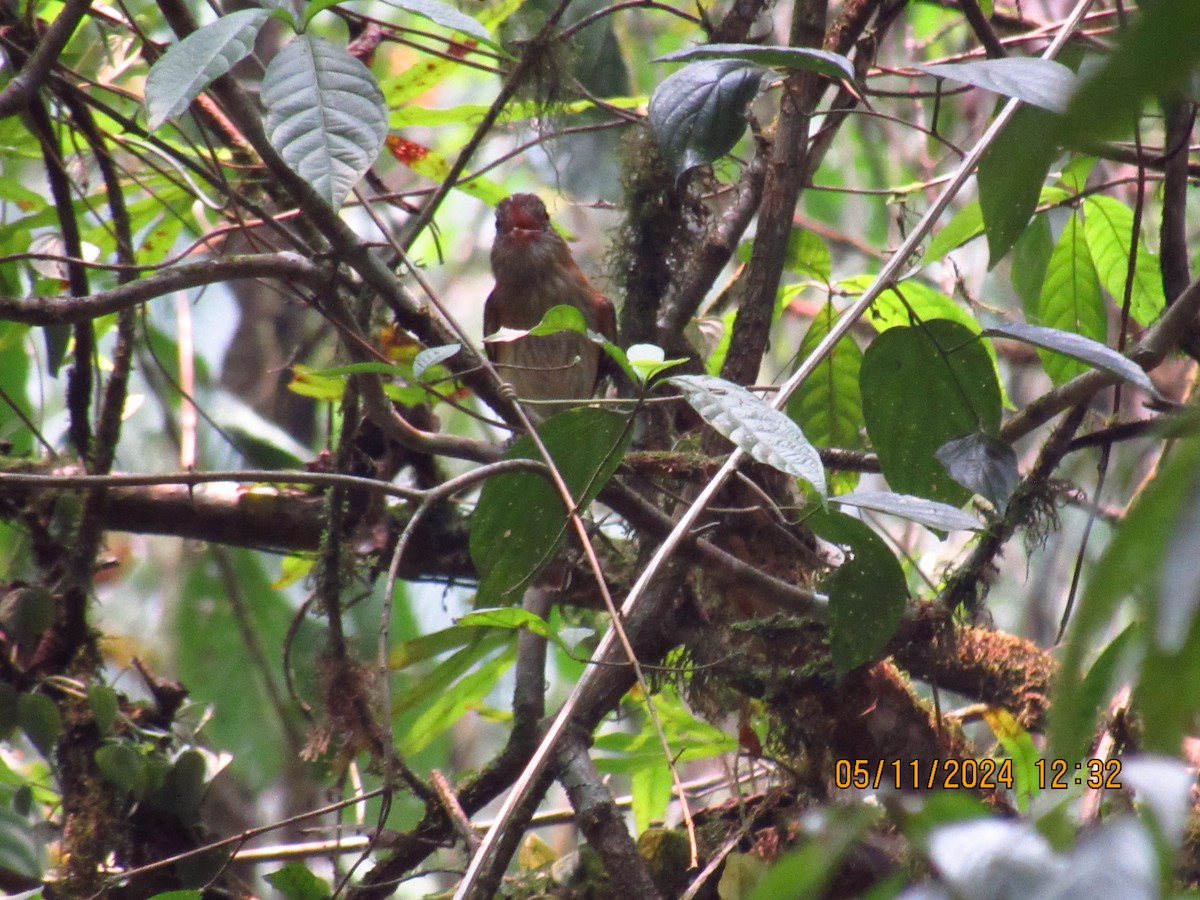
{"x": 273, "y": 629}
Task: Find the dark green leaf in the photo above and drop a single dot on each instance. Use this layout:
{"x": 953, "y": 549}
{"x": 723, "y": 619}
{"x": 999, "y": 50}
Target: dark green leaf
{"x": 103, "y": 701}
{"x": 805, "y": 58}
{"x": 120, "y": 764}
{"x": 1153, "y": 57}
{"x": 1043, "y": 83}
{"x": 984, "y": 465}
{"x": 1011, "y": 175}
{"x": 295, "y": 882}
{"x": 183, "y": 788}
{"x": 827, "y": 405}
{"x": 26, "y": 612}
{"x": 867, "y": 592}
{"x": 758, "y": 428}
{"x": 9, "y": 710}
{"x": 325, "y": 114}
{"x": 921, "y": 387}
{"x": 1159, "y": 526}
{"x": 698, "y": 113}
{"x": 190, "y": 66}
{"x": 41, "y": 721}
{"x": 1077, "y": 346}
{"x": 1071, "y": 299}
{"x": 1030, "y": 257}
{"x": 520, "y": 521}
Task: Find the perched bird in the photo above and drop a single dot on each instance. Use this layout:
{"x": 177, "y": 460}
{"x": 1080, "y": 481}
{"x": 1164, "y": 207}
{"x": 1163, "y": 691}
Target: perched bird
{"x": 534, "y": 272}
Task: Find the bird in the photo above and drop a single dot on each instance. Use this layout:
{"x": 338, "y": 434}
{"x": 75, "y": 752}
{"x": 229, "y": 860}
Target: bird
{"x": 535, "y": 271}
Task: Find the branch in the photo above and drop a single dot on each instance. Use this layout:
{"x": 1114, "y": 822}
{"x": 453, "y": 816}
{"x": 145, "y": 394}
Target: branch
{"x": 603, "y": 823}
{"x": 64, "y": 310}
{"x": 18, "y": 92}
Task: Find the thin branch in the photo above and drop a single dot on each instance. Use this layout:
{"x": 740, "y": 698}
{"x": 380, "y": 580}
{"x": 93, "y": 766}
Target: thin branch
{"x": 20, "y": 91}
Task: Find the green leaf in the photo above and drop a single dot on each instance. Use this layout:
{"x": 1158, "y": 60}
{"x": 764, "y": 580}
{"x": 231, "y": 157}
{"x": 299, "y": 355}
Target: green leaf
{"x": 808, "y": 255}
{"x": 921, "y": 387}
{"x": 826, "y": 62}
{"x": 183, "y": 788}
{"x": 650, "y": 787}
{"x": 1042, "y": 83}
{"x": 103, "y": 702}
{"x": 1095, "y": 354}
{"x": 1011, "y": 176}
{"x": 512, "y": 618}
{"x": 768, "y": 435}
{"x": 27, "y": 611}
{"x": 41, "y": 721}
{"x": 646, "y": 361}
{"x": 1070, "y": 299}
{"x": 1030, "y": 258}
{"x": 984, "y": 465}
{"x": 187, "y": 894}
{"x": 867, "y": 592}
{"x": 10, "y": 716}
{"x": 296, "y": 882}
{"x": 325, "y": 114}
{"x": 520, "y": 521}
{"x": 451, "y": 703}
{"x": 1020, "y": 749}
{"x": 120, "y": 764}
{"x": 1108, "y": 228}
{"x": 430, "y": 10}
{"x": 1154, "y": 57}
{"x": 827, "y": 404}
{"x": 190, "y": 66}
{"x": 698, "y": 113}
{"x": 809, "y": 869}
{"x": 1159, "y": 526}
{"x": 929, "y": 513}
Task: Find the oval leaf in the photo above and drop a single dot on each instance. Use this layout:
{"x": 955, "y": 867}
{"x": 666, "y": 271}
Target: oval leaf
{"x": 194, "y": 63}
{"x": 103, "y": 701}
{"x": 867, "y": 592}
{"x": 325, "y": 114}
{"x": 930, "y": 513}
{"x": 921, "y": 387}
{"x": 1094, "y": 353}
{"x": 983, "y": 464}
{"x": 520, "y": 522}
{"x": 806, "y": 58}
{"x": 827, "y": 404}
{"x": 1039, "y": 82}
{"x": 41, "y": 721}
{"x": 698, "y": 113}
{"x": 120, "y": 764}
{"x": 1070, "y": 298}
{"x": 758, "y": 428}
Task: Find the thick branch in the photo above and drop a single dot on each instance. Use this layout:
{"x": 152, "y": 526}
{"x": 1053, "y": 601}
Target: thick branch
{"x": 64, "y": 310}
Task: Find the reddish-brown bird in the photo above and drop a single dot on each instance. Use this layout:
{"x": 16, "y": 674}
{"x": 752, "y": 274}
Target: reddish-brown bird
{"x": 534, "y": 272}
